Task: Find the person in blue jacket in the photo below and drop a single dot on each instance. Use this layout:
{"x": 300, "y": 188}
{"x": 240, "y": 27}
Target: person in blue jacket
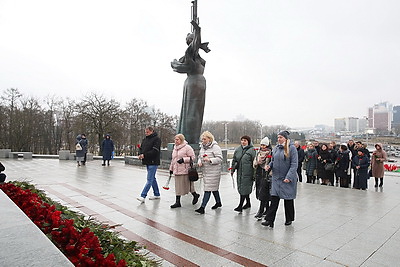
{"x": 107, "y": 148}
{"x": 284, "y": 179}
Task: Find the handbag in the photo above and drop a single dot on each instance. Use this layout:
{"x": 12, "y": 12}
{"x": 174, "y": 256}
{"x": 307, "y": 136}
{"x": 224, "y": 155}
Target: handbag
{"x": 78, "y": 146}
{"x": 329, "y": 167}
{"x": 192, "y": 172}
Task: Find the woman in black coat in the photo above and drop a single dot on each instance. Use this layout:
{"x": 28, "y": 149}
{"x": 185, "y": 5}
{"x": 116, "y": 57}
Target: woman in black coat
{"x": 342, "y": 166}
{"x": 324, "y": 158}
{"x": 360, "y": 164}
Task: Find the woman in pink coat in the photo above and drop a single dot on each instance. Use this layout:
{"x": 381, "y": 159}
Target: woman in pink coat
{"x": 181, "y": 156}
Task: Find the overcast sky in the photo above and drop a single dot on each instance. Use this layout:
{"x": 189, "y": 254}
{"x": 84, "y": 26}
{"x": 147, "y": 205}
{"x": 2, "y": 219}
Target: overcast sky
{"x": 297, "y": 63}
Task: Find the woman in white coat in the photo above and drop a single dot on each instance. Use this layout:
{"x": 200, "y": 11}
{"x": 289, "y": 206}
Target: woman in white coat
{"x": 210, "y": 159}
{"x": 182, "y": 155}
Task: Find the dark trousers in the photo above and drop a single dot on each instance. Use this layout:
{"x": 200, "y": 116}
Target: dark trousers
{"x": 299, "y": 173}
{"x": 289, "y": 209}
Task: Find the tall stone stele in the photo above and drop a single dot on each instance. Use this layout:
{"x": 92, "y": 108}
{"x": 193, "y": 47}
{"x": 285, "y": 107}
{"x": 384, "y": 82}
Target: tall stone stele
{"x": 194, "y": 88}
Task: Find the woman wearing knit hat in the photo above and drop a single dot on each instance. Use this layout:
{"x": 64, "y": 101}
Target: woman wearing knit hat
{"x": 263, "y": 184}
{"x": 242, "y": 162}
{"x": 284, "y": 179}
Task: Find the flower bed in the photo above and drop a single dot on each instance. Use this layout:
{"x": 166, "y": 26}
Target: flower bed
{"x": 84, "y": 242}
{"x": 391, "y": 168}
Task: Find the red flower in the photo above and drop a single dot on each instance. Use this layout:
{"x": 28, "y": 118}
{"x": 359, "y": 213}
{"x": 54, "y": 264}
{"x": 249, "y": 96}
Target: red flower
{"x": 138, "y": 145}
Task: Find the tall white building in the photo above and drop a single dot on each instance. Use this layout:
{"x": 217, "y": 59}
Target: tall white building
{"x": 350, "y": 124}
{"x": 380, "y": 116}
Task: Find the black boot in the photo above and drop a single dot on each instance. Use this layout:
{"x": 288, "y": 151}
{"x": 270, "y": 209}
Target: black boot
{"x": 260, "y": 212}
{"x": 376, "y": 182}
{"x": 200, "y": 210}
{"x": 195, "y": 198}
{"x": 239, "y": 208}
{"x": 177, "y": 203}
{"x": 216, "y": 206}
{"x": 248, "y": 204}
{"x": 381, "y": 183}
{"x": 268, "y": 223}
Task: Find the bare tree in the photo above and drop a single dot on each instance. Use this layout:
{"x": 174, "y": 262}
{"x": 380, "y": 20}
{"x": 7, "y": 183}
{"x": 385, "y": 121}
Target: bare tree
{"x": 100, "y": 114}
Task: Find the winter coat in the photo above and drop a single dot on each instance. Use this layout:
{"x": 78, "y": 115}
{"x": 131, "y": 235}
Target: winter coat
{"x": 211, "y": 169}
{"x": 325, "y": 155}
{"x": 263, "y": 182}
{"x": 300, "y": 156}
{"x": 242, "y": 163}
{"x": 311, "y": 161}
{"x": 150, "y": 148}
{"x": 343, "y": 163}
{"x": 83, "y": 143}
{"x": 379, "y": 156}
{"x": 183, "y": 151}
{"x": 107, "y": 146}
{"x": 182, "y": 183}
{"x": 284, "y": 168}
{"x": 361, "y": 175}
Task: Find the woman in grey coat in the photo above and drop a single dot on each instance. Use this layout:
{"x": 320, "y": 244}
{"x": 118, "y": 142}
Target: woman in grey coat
{"x": 209, "y": 160}
{"x": 284, "y": 179}
{"x": 242, "y": 162}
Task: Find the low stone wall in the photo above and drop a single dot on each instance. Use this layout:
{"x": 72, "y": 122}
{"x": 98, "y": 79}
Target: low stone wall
{"x": 22, "y": 242}
{"x": 4, "y": 153}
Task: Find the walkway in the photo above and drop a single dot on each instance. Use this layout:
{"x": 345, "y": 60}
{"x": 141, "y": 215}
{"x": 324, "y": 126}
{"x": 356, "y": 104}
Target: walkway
{"x": 333, "y": 227}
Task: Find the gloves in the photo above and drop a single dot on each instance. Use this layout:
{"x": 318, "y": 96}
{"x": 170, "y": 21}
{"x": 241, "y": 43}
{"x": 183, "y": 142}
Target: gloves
{"x": 171, "y": 172}
{"x": 180, "y": 161}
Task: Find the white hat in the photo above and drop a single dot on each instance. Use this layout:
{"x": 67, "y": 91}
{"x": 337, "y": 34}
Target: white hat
{"x": 265, "y": 141}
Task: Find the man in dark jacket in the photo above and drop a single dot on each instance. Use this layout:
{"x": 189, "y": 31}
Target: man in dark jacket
{"x": 149, "y": 153}
{"x": 301, "y": 155}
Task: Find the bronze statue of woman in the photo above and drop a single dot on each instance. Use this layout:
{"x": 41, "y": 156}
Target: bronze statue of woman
{"x": 194, "y": 88}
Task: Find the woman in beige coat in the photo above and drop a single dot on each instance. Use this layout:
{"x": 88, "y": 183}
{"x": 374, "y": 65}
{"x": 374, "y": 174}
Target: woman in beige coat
{"x": 379, "y": 156}
{"x": 182, "y": 155}
{"x": 210, "y": 159}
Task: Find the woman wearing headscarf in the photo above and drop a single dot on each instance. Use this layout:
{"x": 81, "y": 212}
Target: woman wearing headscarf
{"x": 182, "y": 157}
{"x": 209, "y": 160}
{"x": 263, "y": 183}
{"x": 379, "y": 156}
{"x": 242, "y": 163}
{"x": 284, "y": 179}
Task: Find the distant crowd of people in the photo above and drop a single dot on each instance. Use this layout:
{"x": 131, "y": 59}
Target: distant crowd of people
{"x": 332, "y": 164}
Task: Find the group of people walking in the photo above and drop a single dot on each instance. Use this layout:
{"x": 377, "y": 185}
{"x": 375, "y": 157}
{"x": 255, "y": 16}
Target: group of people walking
{"x": 275, "y": 173}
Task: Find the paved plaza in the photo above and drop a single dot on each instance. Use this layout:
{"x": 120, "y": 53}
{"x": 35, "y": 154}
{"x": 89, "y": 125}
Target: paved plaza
{"x": 333, "y": 227}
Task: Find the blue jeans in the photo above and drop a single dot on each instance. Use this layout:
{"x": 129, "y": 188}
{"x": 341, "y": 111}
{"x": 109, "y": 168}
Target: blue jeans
{"x": 207, "y": 195}
{"x": 151, "y": 181}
